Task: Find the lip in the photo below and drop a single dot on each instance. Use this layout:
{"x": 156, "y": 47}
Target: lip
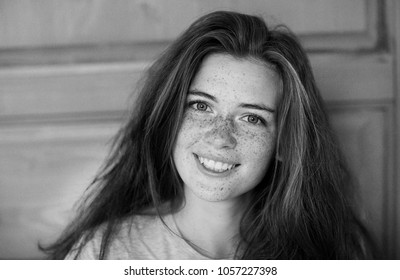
{"x": 209, "y": 172}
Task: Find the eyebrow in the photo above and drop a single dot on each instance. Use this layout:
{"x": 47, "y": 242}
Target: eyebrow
{"x": 257, "y": 107}
{"x": 203, "y": 94}
{"x": 243, "y": 105}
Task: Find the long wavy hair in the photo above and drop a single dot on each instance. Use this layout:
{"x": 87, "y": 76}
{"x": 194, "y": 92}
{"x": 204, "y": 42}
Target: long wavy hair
{"x": 301, "y": 208}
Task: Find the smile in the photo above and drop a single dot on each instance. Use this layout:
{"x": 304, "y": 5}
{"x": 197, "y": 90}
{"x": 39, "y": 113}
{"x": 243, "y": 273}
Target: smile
{"x": 215, "y": 166}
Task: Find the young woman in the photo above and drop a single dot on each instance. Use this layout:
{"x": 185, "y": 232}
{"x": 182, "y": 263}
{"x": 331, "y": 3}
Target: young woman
{"x": 228, "y": 154}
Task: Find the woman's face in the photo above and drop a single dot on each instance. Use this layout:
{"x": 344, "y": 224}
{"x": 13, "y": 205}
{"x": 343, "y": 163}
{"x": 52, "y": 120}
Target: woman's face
{"x": 228, "y": 134}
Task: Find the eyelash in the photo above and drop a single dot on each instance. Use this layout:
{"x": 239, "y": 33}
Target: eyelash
{"x": 259, "y": 120}
{"x": 191, "y": 104}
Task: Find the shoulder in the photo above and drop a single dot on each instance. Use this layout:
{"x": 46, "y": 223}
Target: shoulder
{"x": 136, "y": 237}
{"x": 142, "y": 229}
{"x": 146, "y": 237}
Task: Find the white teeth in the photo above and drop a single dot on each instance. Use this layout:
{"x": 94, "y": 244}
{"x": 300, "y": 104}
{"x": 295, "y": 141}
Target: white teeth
{"x": 215, "y": 166}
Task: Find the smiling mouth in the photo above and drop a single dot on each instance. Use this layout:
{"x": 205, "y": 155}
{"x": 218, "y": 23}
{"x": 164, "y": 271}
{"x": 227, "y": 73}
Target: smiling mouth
{"x": 215, "y": 166}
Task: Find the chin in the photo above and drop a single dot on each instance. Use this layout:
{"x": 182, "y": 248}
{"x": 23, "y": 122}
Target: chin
{"x": 213, "y": 194}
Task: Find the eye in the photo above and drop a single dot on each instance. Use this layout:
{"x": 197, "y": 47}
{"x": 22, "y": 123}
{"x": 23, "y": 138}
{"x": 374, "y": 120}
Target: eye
{"x": 253, "y": 119}
{"x": 199, "y": 106}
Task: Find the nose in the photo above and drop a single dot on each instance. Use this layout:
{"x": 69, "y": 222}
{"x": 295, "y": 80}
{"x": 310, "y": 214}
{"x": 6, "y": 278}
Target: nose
{"x": 221, "y": 135}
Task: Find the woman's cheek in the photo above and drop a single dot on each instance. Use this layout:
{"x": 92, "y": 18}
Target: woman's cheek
{"x": 195, "y": 124}
{"x": 256, "y": 143}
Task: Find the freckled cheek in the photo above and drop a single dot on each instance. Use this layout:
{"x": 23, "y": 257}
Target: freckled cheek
{"x": 257, "y": 146}
{"x": 192, "y": 129}
{"x": 201, "y": 123}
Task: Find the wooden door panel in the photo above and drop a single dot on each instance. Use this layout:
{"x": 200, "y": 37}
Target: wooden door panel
{"x": 363, "y": 135}
{"x": 341, "y": 23}
{"x": 44, "y": 170}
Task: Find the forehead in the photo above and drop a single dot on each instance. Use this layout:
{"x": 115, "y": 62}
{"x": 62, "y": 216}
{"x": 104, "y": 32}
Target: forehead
{"x": 245, "y": 78}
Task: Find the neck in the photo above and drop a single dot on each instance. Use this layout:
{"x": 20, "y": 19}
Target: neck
{"x": 211, "y": 227}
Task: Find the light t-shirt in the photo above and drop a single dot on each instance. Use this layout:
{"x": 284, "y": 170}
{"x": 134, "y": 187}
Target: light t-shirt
{"x": 142, "y": 237}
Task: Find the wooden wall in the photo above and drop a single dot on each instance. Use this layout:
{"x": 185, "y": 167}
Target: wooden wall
{"x": 68, "y": 71}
